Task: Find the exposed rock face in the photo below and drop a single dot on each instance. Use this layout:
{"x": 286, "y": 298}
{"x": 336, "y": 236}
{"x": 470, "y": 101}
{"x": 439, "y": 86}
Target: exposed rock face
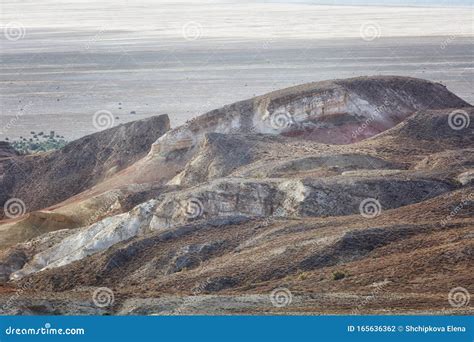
{"x": 95, "y": 238}
{"x": 358, "y": 177}
{"x": 43, "y": 180}
{"x": 231, "y": 197}
{"x": 336, "y": 112}
{"x": 329, "y": 112}
{"x": 232, "y": 203}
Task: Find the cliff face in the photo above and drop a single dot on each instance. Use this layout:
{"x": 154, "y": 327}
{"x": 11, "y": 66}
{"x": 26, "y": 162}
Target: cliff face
{"x": 335, "y": 112}
{"x": 234, "y": 203}
{"x": 327, "y": 112}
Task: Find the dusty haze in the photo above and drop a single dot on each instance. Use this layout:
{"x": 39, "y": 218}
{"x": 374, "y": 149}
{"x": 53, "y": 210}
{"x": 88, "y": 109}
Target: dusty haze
{"x": 184, "y": 58}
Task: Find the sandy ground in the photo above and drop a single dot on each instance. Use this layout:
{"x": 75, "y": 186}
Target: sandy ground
{"x": 61, "y": 64}
{"x": 61, "y": 91}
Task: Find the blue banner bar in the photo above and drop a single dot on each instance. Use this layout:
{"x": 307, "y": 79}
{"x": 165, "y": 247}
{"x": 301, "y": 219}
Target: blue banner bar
{"x": 237, "y": 328}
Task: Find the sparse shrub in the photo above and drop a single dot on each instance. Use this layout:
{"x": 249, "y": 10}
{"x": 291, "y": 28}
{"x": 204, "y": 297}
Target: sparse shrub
{"x": 40, "y": 143}
{"x": 338, "y": 275}
{"x": 303, "y": 276}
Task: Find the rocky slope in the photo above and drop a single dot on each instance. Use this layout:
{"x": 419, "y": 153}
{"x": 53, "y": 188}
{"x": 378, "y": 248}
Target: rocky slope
{"x": 45, "y": 179}
{"x": 366, "y": 185}
{"x": 6, "y": 151}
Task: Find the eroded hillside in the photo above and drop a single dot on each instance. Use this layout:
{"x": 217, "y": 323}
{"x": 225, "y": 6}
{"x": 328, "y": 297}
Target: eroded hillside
{"x": 326, "y": 192}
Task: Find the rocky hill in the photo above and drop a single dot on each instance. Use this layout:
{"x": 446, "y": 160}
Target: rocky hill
{"x": 6, "y": 151}
{"x": 42, "y": 180}
{"x": 325, "y": 192}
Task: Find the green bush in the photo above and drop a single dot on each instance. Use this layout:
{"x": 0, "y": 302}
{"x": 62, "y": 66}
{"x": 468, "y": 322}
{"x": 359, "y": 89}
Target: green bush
{"x": 40, "y": 143}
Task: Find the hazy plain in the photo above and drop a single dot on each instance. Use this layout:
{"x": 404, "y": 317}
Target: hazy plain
{"x": 184, "y": 58}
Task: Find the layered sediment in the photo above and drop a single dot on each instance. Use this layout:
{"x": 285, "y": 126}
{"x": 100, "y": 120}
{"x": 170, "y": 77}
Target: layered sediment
{"x": 358, "y": 177}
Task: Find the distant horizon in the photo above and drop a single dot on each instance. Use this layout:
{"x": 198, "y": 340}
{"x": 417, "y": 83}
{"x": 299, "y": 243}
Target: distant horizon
{"x": 216, "y": 19}
{"x": 104, "y": 49}
{"x": 429, "y": 3}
